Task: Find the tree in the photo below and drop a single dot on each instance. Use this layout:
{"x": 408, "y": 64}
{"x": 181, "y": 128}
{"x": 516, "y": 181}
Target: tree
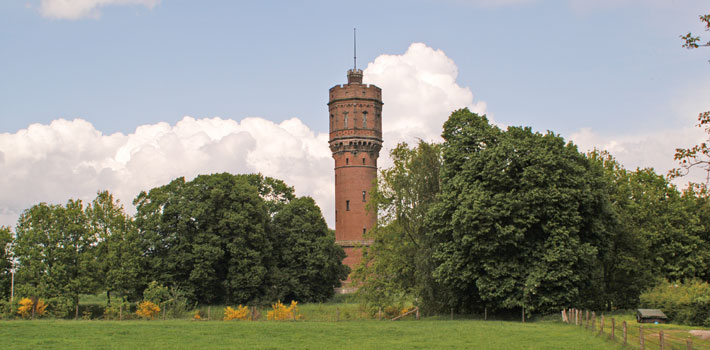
{"x": 697, "y": 156}
{"x": 397, "y": 267}
{"x": 5, "y": 261}
{"x": 117, "y": 250}
{"x": 208, "y": 236}
{"x": 54, "y": 252}
{"x": 518, "y": 220}
{"x": 309, "y": 262}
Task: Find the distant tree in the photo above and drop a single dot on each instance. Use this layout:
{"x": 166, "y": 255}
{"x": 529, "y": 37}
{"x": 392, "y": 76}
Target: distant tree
{"x": 5, "y": 261}
{"x": 691, "y": 41}
{"x": 309, "y": 262}
{"x": 397, "y": 267}
{"x": 209, "y": 236}
{"x": 55, "y": 252}
{"x": 117, "y": 248}
{"x": 519, "y": 218}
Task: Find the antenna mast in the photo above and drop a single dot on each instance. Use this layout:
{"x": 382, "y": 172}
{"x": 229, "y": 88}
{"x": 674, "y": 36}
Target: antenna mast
{"x": 354, "y": 49}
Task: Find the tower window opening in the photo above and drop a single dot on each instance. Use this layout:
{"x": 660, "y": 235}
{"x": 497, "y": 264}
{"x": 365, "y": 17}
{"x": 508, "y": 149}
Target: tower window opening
{"x": 363, "y": 161}
{"x": 363, "y": 231}
{"x": 345, "y": 120}
{"x": 363, "y": 195}
{"x": 347, "y": 161}
{"x": 332, "y": 122}
{"x": 347, "y": 205}
{"x": 364, "y": 120}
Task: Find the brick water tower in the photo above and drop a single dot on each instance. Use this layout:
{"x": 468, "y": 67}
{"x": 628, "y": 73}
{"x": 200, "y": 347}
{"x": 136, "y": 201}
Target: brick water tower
{"x": 355, "y": 140}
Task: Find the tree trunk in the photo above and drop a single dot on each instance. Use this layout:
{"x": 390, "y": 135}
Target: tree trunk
{"x": 108, "y": 296}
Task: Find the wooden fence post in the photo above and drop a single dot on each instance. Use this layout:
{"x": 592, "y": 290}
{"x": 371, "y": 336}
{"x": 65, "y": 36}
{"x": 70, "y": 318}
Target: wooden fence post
{"x": 523, "y": 314}
{"x": 641, "y": 339}
{"x": 586, "y": 324}
{"x": 564, "y": 316}
{"x": 660, "y": 339}
{"x": 613, "y": 325}
{"x": 601, "y": 325}
{"x": 689, "y": 344}
{"x": 485, "y": 314}
{"x": 120, "y": 312}
{"x": 624, "y": 332}
{"x": 417, "y": 313}
{"x": 594, "y": 321}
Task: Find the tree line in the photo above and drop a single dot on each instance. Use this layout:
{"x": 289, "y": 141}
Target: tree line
{"x": 220, "y": 238}
{"x": 512, "y": 219}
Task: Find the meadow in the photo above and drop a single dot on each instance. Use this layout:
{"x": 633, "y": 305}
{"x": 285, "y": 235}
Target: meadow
{"x": 372, "y": 334}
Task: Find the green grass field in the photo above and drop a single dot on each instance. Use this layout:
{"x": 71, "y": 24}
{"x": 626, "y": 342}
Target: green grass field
{"x": 182, "y": 334}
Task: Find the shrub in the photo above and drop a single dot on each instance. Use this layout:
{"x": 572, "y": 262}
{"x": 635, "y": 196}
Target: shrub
{"x": 686, "y": 303}
{"x": 282, "y": 312}
{"x": 240, "y": 313}
{"x": 156, "y": 293}
{"x": 197, "y": 315}
{"x": 25, "y": 308}
{"x": 147, "y": 309}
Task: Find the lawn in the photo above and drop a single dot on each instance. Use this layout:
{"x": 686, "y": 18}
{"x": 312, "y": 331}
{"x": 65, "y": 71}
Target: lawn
{"x": 184, "y": 334}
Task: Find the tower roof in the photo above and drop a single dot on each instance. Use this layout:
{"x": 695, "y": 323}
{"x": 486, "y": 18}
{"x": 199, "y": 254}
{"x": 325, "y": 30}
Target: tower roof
{"x": 354, "y": 76}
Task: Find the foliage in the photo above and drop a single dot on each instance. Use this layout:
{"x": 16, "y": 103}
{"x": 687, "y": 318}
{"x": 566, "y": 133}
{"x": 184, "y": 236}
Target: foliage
{"x": 683, "y": 302}
{"x": 156, "y": 293}
{"x": 697, "y": 156}
{"x": 519, "y": 217}
{"x": 5, "y": 261}
{"x": 54, "y": 250}
{"x": 148, "y": 309}
{"x": 117, "y": 251}
{"x": 397, "y": 267}
{"x": 281, "y": 312}
{"x": 25, "y": 308}
{"x": 309, "y": 264}
{"x": 237, "y": 238}
{"x": 693, "y": 42}
{"x": 209, "y": 235}
{"x": 240, "y": 313}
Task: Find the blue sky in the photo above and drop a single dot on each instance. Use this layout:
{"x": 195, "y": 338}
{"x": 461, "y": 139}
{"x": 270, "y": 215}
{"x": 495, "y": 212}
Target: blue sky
{"x": 605, "y": 73}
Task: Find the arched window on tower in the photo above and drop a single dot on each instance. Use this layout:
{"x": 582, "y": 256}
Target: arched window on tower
{"x": 364, "y": 120}
{"x": 345, "y": 120}
{"x": 364, "y": 193}
{"x": 347, "y": 205}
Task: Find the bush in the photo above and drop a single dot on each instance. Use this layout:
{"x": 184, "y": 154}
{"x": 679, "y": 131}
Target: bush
{"x": 240, "y": 313}
{"x": 685, "y": 303}
{"x": 282, "y": 312}
{"x": 148, "y": 309}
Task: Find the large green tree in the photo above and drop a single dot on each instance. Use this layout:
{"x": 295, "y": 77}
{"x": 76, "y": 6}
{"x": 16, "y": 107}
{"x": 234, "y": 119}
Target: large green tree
{"x": 397, "y": 267}
{"x": 519, "y": 217}
{"x": 208, "y": 236}
{"x": 117, "y": 249}
{"x": 309, "y": 263}
{"x": 55, "y": 252}
{"x": 226, "y": 238}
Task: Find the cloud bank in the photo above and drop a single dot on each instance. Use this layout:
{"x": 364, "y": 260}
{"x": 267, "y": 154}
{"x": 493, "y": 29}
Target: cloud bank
{"x": 77, "y": 9}
{"x": 72, "y": 159}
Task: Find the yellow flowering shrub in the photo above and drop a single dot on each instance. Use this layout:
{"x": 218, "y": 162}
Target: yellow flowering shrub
{"x": 40, "y": 308}
{"x": 197, "y": 315}
{"x": 148, "y": 309}
{"x": 240, "y": 313}
{"x": 25, "y": 308}
{"x": 282, "y": 312}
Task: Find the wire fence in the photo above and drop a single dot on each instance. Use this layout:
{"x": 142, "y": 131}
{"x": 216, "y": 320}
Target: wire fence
{"x": 635, "y": 335}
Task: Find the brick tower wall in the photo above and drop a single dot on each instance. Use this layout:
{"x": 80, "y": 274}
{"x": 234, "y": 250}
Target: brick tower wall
{"x": 355, "y": 139}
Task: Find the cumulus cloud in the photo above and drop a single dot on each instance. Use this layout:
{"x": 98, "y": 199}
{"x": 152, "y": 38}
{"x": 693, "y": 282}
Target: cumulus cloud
{"x": 653, "y": 149}
{"x": 72, "y": 159}
{"x": 419, "y": 91}
{"x": 77, "y": 9}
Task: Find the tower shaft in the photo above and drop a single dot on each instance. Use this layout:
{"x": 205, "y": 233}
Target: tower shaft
{"x": 355, "y": 140}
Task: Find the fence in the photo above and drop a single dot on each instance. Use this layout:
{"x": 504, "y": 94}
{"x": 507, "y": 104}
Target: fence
{"x": 633, "y": 335}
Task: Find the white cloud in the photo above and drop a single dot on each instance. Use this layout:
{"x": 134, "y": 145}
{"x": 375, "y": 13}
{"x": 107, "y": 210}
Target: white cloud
{"x": 71, "y": 159}
{"x": 653, "y": 149}
{"x": 77, "y": 9}
{"x": 419, "y": 91}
